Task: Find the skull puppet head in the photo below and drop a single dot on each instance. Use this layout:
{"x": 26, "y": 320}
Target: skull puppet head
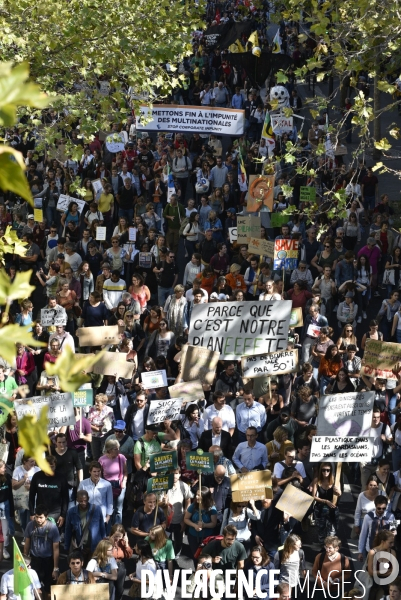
{"x": 279, "y": 94}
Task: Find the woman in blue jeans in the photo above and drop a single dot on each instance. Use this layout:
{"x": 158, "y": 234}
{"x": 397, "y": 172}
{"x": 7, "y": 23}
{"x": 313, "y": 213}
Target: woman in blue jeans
{"x": 114, "y": 467}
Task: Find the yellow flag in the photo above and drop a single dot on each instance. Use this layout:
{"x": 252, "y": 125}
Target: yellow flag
{"x": 254, "y": 38}
{"x": 236, "y": 47}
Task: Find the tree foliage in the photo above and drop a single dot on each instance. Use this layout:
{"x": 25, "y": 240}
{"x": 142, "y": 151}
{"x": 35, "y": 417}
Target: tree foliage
{"x": 73, "y": 44}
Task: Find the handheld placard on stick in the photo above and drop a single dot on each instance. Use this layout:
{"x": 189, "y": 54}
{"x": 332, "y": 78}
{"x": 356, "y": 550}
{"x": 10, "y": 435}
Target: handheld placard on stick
{"x": 156, "y": 510}
{"x": 200, "y": 497}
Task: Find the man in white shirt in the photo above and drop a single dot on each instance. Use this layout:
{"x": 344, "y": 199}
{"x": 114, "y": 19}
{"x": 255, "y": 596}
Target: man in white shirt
{"x": 220, "y": 409}
{"x": 195, "y": 287}
{"x": 289, "y": 461}
{"x": 380, "y": 433}
{"x": 7, "y": 583}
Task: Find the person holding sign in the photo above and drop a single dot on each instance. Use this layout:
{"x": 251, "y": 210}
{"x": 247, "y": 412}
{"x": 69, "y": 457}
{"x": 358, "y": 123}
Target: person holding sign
{"x": 201, "y": 518}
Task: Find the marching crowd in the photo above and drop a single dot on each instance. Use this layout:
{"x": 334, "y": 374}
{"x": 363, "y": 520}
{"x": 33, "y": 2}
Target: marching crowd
{"x": 162, "y": 254}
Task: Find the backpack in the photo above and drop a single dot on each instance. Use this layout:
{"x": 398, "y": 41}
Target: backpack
{"x": 85, "y": 573}
{"x": 204, "y": 543}
{"x": 186, "y": 162}
{"x": 184, "y": 223}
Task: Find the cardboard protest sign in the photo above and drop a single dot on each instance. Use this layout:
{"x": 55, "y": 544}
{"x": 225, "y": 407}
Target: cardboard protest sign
{"x": 233, "y": 234}
{"x": 162, "y": 410}
{"x": 189, "y": 391}
{"x": 252, "y": 485}
{"x": 247, "y": 227}
{"x": 38, "y": 215}
{"x": 161, "y": 483}
{"x": 90, "y": 591}
{"x": 345, "y": 414}
{"x": 379, "y": 359}
{"x": 341, "y": 449}
{"x": 260, "y": 192}
{"x": 261, "y": 247}
{"x": 132, "y": 234}
{"x": 163, "y": 461}
{"x": 60, "y": 408}
{"x": 297, "y": 319}
{"x": 99, "y": 336}
{"x": 277, "y": 219}
{"x": 154, "y": 379}
{"x": 286, "y": 254}
{"x": 294, "y": 502}
{"x": 199, "y": 462}
{"x": 52, "y": 316}
{"x": 198, "y": 363}
{"x": 275, "y": 363}
{"x": 307, "y": 193}
{"x": 64, "y": 201}
{"x": 114, "y": 363}
{"x": 237, "y": 329}
{"x": 82, "y": 397}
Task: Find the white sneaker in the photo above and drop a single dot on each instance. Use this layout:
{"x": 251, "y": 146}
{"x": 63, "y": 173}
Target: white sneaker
{"x": 6, "y": 554}
{"x": 359, "y": 320}
{"x": 364, "y": 315}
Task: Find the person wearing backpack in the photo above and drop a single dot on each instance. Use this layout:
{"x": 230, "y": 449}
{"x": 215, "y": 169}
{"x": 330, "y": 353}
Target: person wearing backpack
{"x": 331, "y": 567}
{"x": 42, "y": 541}
{"x": 181, "y": 168}
{"x": 76, "y": 573}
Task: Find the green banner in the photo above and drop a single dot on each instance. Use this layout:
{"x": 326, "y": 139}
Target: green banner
{"x": 307, "y": 194}
{"x": 200, "y": 462}
{"x": 277, "y": 219}
{"x": 160, "y": 483}
{"x": 82, "y": 398}
{"x": 163, "y": 461}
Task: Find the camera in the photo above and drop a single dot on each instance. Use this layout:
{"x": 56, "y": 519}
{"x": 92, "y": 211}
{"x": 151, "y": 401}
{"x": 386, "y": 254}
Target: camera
{"x": 207, "y": 565}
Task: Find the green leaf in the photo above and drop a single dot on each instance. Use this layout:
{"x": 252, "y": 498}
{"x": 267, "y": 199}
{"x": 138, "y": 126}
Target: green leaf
{"x": 15, "y": 91}
{"x": 385, "y": 86}
{"x": 281, "y": 77}
{"x": 70, "y": 371}
{"x": 18, "y": 289}
{"x": 33, "y": 437}
{"x": 383, "y": 145}
{"x": 10, "y": 335}
{"x": 12, "y": 177}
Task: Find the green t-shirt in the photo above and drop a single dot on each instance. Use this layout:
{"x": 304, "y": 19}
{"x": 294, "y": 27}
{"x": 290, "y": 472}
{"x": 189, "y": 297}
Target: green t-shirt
{"x": 229, "y": 556}
{"x": 163, "y": 554}
{"x": 149, "y": 448}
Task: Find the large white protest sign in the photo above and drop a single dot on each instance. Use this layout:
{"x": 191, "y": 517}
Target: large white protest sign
{"x": 275, "y": 363}
{"x": 154, "y": 379}
{"x": 345, "y": 414}
{"x": 237, "y": 329}
{"x": 64, "y": 201}
{"x": 282, "y": 124}
{"x": 202, "y": 119}
{"x": 52, "y": 316}
{"x": 60, "y": 408}
{"x": 161, "y": 410}
{"x": 341, "y": 449}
